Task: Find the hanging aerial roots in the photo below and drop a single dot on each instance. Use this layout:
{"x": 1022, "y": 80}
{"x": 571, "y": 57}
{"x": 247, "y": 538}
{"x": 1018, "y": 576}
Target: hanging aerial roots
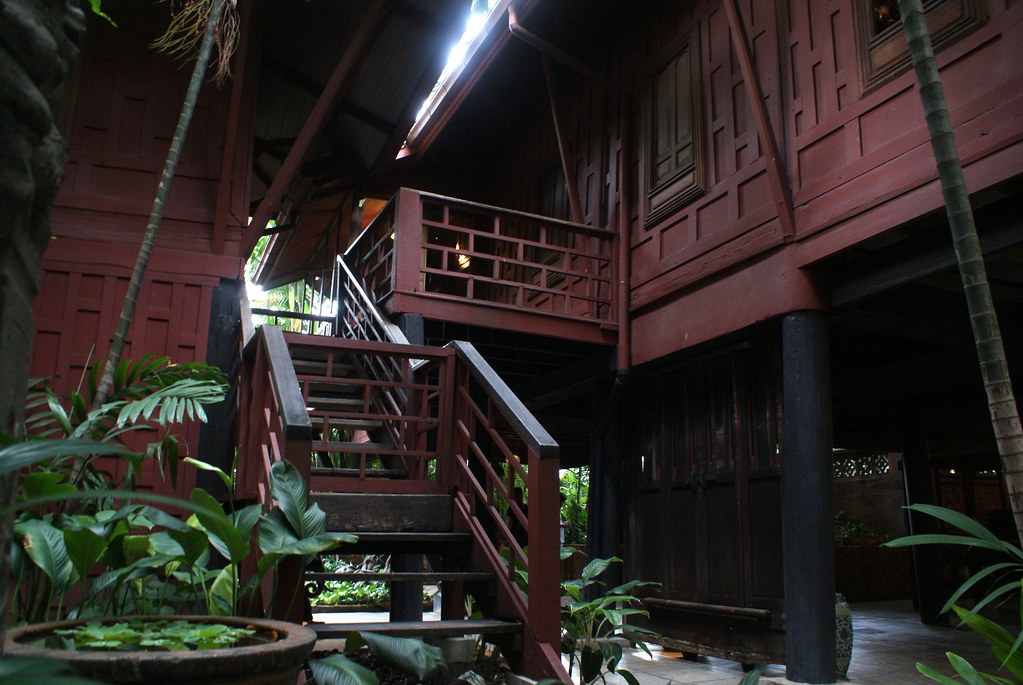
{"x": 188, "y": 21}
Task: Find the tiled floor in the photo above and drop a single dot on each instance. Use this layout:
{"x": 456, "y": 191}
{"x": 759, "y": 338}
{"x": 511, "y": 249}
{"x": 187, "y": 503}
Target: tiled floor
{"x": 888, "y": 640}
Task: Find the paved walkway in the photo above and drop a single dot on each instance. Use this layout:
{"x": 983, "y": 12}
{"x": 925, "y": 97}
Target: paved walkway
{"x": 888, "y": 640}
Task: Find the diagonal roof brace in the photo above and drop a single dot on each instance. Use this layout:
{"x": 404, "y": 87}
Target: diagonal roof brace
{"x": 337, "y": 88}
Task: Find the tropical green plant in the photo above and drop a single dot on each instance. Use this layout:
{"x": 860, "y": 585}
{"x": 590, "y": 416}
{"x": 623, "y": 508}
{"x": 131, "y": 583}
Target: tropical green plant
{"x": 1003, "y": 581}
{"x": 32, "y": 671}
{"x": 414, "y": 657}
{"x": 592, "y": 629}
{"x": 149, "y": 396}
{"x": 165, "y": 636}
{"x": 575, "y": 488}
{"x": 153, "y": 563}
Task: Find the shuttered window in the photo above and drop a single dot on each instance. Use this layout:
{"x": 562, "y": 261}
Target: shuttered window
{"x": 673, "y": 171}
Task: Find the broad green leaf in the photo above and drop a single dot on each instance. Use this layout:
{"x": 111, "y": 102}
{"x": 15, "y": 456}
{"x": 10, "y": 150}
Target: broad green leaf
{"x": 193, "y": 544}
{"x": 942, "y": 539}
{"x": 630, "y": 678}
{"x": 596, "y": 567}
{"x": 203, "y": 466}
{"x": 223, "y": 592}
{"x": 43, "y": 483}
{"x": 406, "y": 654}
{"x": 19, "y": 455}
{"x": 935, "y": 676}
{"x": 44, "y": 545}
{"x": 751, "y": 678}
{"x": 288, "y": 488}
{"x": 591, "y": 662}
{"x": 223, "y": 534}
{"x": 338, "y": 669}
{"x": 84, "y": 548}
{"x": 963, "y": 667}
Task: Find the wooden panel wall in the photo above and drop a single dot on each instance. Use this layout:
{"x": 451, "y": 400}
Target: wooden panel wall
{"x": 734, "y": 219}
{"x": 850, "y": 153}
{"x": 125, "y": 107}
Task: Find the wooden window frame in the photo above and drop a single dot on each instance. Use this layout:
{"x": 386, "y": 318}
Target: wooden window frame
{"x": 682, "y": 185}
{"x": 885, "y": 56}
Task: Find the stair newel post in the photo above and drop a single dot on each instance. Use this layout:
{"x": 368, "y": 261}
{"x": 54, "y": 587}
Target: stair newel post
{"x": 445, "y": 419}
{"x": 461, "y": 429}
{"x": 408, "y": 229}
{"x": 544, "y": 562}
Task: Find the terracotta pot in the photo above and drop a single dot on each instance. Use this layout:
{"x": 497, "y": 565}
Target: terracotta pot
{"x": 273, "y": 663}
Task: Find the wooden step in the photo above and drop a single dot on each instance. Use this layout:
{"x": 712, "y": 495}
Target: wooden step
{"x": 313, "y": 367}
{"x": 338, "y": 404}
{"x": 399, "y": 576}
{"x": 354, "y": 473}
{"x": 344, "y": 424}
{"x": 383, "y": 448}
{"x": 407, "y": 543}
{"x": 377, "y": 516}
{"x": 326, "y": 632}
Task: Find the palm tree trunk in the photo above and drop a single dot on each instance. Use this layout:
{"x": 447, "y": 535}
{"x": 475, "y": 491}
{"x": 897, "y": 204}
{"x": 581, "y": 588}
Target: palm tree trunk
{"x": 156, "y": 215}
{"x": 986, "y": 334}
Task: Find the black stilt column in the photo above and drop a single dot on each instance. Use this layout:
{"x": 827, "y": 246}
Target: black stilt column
{"x": 928, "y": 584}
{"x": 807, "y": 510}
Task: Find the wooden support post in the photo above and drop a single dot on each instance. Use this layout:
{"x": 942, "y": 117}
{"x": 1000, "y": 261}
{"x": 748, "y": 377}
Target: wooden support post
{"x": 606, "y": 480}
{"x": 407, "y": 596}
{"x": 918, "y": 478}
{"x": 807, "y": 467}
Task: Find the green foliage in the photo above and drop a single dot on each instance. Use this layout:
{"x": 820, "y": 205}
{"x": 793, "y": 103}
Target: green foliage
{"x": 170, "y": 636}
{"x": 337, "y": 669}
{"x": 575, "y": 487}
{"x": 153, "y": 563}
{"x": 1004, "y": 580}
{"x": 32, "y": 671}
{"x": 149, "y": 397}
{"x": 591, "y": 629}
{"x": 846, "y": 529}
{"x": 424, "y": 661}
{"x": 97, "y": 8}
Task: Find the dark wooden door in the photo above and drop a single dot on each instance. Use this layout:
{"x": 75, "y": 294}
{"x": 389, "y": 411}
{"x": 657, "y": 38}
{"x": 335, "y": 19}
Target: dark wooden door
{"x": 705, "y": 490}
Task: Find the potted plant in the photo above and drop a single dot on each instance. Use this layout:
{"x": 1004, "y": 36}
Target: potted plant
{"x": 592, "y": 629}
{"x": 149, "y": 561}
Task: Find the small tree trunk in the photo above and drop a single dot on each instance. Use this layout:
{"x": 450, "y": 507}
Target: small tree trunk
{"x": 156, "y": 215}
{"x": 986, "y": 334}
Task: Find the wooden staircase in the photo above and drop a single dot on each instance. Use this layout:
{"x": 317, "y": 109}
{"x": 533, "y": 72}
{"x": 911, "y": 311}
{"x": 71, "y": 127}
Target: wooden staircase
{"x": 416, "y": 450}
{"x": 412, "y": 529}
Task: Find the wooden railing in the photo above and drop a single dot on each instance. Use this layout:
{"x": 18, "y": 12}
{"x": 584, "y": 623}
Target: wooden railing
{"x": 406, "y": 400}
{"x": 274, "y": 423}
{"x": 453, "y": 427}
{"x": 454, "y": 250}
{"x": 499, "y": 446}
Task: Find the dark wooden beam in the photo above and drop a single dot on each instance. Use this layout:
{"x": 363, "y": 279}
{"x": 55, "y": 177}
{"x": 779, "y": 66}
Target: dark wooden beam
{"x": 777, "y": 175}
{"x": 567, "y": 163}
{"x": 920, "y": 257}
{"x": 337, "y": 87}
{"x": 228, "y": 176}
{"x": 808, "y": 547}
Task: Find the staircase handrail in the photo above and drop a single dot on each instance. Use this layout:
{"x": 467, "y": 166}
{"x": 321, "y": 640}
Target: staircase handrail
{"x": 482, "y": 454}
{"x": 390, "y": 332}
{"x": 534, "y": 434}
{"x": 277, "y": 424}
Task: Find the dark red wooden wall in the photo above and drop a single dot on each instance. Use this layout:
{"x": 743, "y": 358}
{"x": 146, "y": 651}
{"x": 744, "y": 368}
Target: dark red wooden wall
{"x": 120, "y": 117}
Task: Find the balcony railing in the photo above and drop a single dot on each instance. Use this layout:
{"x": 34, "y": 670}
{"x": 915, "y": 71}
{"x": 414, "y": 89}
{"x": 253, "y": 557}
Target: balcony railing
{"x": 452, "y": 250}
